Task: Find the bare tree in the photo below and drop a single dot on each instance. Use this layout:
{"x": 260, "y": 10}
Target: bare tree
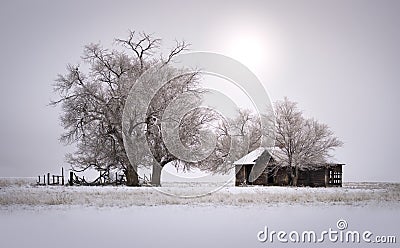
{"x": 302, "y": 142}
{"x": 184, "y": 83}
{"x": 205, "y": 119}
{"x": 244, "y": 128}
{"x": 92, "y": 102}
{"x": 247, "y": 125}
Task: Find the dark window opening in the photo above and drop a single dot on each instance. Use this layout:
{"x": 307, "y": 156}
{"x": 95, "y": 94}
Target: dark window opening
{"x": 247, "y": 170}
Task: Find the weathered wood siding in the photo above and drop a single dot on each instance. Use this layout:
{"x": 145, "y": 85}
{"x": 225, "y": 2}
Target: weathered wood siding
{"x": 240, "y": 177}
{"x": 281, "y": 177}
{"x": 313, "y": 178}
{"x": 262, "y": 179}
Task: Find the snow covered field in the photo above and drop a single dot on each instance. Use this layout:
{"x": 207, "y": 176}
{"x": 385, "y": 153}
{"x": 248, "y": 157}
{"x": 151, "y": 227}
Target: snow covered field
{"x": 32, "y": 216}
{"x": 19, "y": 192}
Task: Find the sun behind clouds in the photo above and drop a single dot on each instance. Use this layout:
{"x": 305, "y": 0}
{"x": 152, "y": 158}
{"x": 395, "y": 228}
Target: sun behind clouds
{"x": 254, "y": 48}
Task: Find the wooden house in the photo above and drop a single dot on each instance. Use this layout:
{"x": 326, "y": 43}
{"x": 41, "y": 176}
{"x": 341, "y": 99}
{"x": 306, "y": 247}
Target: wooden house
{"x": 259, "y": 167}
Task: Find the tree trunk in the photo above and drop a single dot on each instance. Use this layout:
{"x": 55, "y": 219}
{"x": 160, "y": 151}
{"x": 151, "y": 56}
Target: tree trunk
{"x": 156, "y": 175}
{"x": 289, "y": 172}
{"x": 132, "y": 178}
{"x": 296, "y": 175}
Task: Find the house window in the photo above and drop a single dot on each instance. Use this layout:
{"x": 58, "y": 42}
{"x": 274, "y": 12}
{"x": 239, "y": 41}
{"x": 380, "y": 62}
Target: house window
{"x": 335, "y": 177}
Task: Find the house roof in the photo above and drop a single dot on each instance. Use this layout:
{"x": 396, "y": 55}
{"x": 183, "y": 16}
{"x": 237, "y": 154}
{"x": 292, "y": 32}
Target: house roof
{"x": 251, "y": 157}
{"x": 275, "y": 152}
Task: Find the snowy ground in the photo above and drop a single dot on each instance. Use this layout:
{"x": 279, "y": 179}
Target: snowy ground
{"x": 18, "y": 192}
{"x": 32, "y": 216}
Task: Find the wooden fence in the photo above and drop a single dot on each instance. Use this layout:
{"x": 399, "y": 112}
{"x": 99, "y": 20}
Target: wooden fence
{"x": 103, "y": 179}
{"x": 51, "y": 179}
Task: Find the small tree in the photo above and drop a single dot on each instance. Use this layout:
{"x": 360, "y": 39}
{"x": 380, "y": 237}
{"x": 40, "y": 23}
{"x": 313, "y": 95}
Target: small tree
{"x": 244, "y": 128}
{"x": 208, "y": 120}
{"x": 247, "y": 126}
{"x": 303, "y": 142}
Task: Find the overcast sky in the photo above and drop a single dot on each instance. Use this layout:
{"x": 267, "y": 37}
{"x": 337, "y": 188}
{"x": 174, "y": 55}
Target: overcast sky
{"x": 338, "y": 59}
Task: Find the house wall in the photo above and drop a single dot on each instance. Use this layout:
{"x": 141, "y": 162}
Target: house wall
{"x": 312, "y": 178}
{"x": 262, "y": 179}
{"x": 336, "y": 169}
{"x": 281, "y": 177}
{"x": 240, "y": 177}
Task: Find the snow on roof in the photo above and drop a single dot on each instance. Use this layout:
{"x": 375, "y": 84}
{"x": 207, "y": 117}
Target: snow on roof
{"x": 274, "y": 152}
{"x": 334, "y": 161}
{"x": 251, "y": 157}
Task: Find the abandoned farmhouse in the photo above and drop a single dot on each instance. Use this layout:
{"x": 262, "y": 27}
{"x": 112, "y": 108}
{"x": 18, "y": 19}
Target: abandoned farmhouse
{"x": 259, "y": 167}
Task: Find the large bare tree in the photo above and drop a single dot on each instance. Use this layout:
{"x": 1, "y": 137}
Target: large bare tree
{"x": 92, "y": 102}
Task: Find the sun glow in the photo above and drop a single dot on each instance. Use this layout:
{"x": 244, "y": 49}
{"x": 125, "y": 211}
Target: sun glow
{"x": 256, "y": 49}
{"x": 248, "y": 49}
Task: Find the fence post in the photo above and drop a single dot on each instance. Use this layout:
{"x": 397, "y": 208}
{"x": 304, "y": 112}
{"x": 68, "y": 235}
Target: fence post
{"x": 48, "y": 178}
{"x": 71, "y": 178}
{"x": 62, "y": 175}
